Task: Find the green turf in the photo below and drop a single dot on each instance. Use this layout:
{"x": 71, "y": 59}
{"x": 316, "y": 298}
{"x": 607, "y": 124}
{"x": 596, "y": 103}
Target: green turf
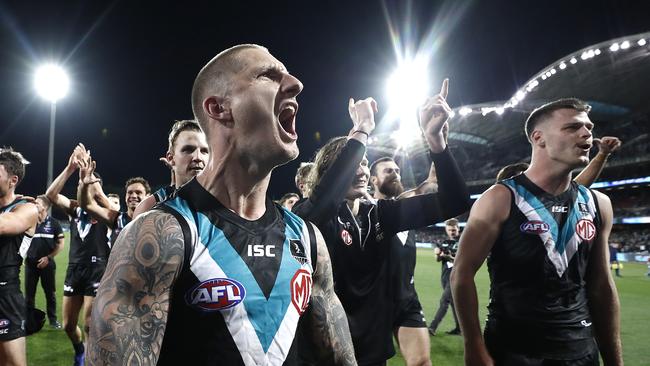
{"x": 52, "y": 348}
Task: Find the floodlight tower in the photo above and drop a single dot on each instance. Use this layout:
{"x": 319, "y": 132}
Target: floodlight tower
{"x": 51, "y": 83}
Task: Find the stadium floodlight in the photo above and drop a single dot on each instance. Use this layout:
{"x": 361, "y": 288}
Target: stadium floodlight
{"x": 614, "y": 47}
{"x": 641, "y": 42}
{"x": 52, "y": 84}
{"x": 573, "y": 61}
{"x": 625, "y": 45}
{"x": 562, "y": 66}
{"x": 465, "y": 111}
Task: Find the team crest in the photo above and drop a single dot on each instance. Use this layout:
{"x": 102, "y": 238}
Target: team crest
{"x": 301, "y": 290}
{"x": 298, "y": 251}
{"x": 346, "y": 237}
{"x": 216, "y": 294}
{"x": 586, "y": 229}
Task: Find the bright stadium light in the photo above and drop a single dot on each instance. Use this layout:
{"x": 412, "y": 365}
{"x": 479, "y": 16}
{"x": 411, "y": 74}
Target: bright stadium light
{"x": 625, "y": 45}
{"x": 465, "y": 111}
{"x": 613, "y": 47}
{"x": 51, "y": 82}
{"x": 641, "y": 42}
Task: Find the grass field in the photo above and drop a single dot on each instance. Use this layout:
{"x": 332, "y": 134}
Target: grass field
{"x": 51, "y": 347}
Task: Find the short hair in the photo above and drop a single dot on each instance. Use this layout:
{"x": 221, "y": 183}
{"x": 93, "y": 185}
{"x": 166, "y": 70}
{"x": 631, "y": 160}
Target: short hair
{"x": 113, "y": 195}
{"x": 451, "y": 222}
{"x": 46, "y": 201}
{"x": 373, "y": 166}
{"x": 543, "y": 112}
{"x": 287, "y": 196}
{"x": 134, "y": 180}
{"x": 324, "y": 159}
{"x": 214, "y": 78}
{"x": 14, "y": 162}
{"x": 180, "y": 126}
{"x": 511, "y": 170}
{"x": 302, "y": 173}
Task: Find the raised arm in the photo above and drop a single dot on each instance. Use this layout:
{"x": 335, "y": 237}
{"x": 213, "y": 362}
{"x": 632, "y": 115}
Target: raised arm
{"x": 130, "y": 311}
{"x": 85, "y": 193}
{"x": 591, "y": 172}
{"x": 429, "y": 185}
{"x": 19, "y": 220}
{"x": 601, "y": 291}
{"x": 483, "y": 227}
{"x": 326, "y": 197}
{"x": 329, "y": 324}
{"x": 53, "y": 192}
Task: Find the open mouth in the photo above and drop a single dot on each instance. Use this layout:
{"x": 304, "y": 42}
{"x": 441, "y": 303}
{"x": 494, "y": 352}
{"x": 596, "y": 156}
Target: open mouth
{"x": 196, "y": 168}
{"x": 585, "y": 146}
{"x": 287, "y": 119}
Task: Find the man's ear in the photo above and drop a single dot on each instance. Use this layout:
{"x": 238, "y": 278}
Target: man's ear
{"x": 373, "y": 181}
{"x": 538, "y": 138}
{"x": 14, "y": 180}
{"x": 218, "y": 109}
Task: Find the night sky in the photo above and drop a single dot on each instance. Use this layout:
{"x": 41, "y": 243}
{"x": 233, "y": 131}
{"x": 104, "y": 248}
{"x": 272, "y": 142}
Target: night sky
{"x": 132, "y": 64}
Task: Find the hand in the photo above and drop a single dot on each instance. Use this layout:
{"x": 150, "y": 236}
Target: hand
{"x": 433, "y": 115}
{"x": 607, "y": 144}
{"x": 86, "y": 169}
{"x": 362, "y": 113}
{"x": 166, "y": 161}
{"x": 42, "y": 262}
{"x": 77, "y": 153}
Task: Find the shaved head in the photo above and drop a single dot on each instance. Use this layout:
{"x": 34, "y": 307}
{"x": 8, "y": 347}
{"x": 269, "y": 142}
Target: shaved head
{"x": 214, "y": 78}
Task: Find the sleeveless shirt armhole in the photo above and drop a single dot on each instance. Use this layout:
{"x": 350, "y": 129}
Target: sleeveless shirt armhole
{"x": 513, "y": 204}
{"x": 312, "y": 243}
{"x": 598, "y": 220}
{"x": 188, "y": 246}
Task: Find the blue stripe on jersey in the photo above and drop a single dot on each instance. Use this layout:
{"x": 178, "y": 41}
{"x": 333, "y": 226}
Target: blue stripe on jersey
{"x": 265, "y": 315}
{"x": 14, "y": 204}
{"x": 538, "y": 206}
{"x": 83, "y": 223}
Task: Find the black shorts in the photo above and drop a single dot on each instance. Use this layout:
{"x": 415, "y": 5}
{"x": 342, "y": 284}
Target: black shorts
{"x": 515, "y": 359}
{"x": 12, "y": 314}
{"x": 410, "y": 315}
{"x": 83, "y": 279}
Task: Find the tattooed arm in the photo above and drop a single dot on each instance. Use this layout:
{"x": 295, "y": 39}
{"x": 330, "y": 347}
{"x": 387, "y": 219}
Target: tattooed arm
{"x": 329, "y": 322}
{"x": 130, "y": 311}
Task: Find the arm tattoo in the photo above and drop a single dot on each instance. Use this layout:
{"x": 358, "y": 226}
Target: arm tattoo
{"x": 331, "y": 331}
{"x": 130, "y": 311}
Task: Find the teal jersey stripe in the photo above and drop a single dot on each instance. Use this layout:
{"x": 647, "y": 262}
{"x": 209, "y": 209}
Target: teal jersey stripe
{"x": 538, "y": 206}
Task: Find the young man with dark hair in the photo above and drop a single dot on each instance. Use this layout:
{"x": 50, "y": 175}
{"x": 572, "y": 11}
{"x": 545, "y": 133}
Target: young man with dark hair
{"x": 48, "y": 241}
{"x": 288, "y": 200}
{"x": 89, "y": 248}
{"x": 18, "y": 220}
{"x": 186, "y": 156}
{"x": 552, "y": 297}
{"x": 226, "y": 273}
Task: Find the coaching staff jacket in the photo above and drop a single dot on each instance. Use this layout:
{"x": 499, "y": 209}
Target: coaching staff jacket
{"x": 359, "y": 256}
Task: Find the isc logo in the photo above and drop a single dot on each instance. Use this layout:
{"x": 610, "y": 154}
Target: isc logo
{"x": 216, "y": 294}
{"x": 4, "y": 323}
{"x": 261, "y": 250}
{"x": 534, "y": 227}
{"x": 559, "y": 209}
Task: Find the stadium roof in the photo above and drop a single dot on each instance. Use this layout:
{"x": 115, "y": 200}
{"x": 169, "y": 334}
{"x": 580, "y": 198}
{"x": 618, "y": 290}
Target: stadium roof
{"x": 612, "y": 76}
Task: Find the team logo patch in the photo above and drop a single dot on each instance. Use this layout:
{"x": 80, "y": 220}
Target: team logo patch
{"x": 298, "y": 251}
{"x": 534, "y": 227}
{"x": 301, "y": 290}
{"x": 583, "y": 207}
{"x": 586, "y": 229}
{"x": 4, "y": 323}
{"x": 346, "y": 237}
{"x": 216, "y": 294}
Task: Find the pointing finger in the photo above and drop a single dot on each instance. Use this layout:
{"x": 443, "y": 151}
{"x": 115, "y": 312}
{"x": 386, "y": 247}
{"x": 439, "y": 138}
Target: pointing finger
{"x": 444, "y": 90}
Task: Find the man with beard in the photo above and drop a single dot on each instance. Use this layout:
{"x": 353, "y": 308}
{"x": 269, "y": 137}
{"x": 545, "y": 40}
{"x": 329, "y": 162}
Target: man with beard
{"x": 89, "y": 249}
{"x": 186, "y": 156}
{"x": 552, "y": 296}
{"x": 359, "y": 232}
{"x": 445, "y": 253}
{"x": 219, "y": 274}
{"x": 409, "y": 327}
{"x": 18, "y": 220}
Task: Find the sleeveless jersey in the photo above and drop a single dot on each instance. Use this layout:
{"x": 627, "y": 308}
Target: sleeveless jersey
{"x": 88, "y": 238}
{"x": 538, "y": 301}
{"x": 13, "y": 249}
{"x": 164, "y": 193}
{"x": 122, "y": 220}
{"x": 243, "y": 286}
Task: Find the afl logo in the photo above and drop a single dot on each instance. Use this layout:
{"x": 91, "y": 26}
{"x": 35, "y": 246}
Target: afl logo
{"x": 301, "y": 290}
{"x": 534, "y": 227}
{"x": 4, "y": 323}
{"x": 346, "y": 237}
{"x": 586, "y": 229}
{"x": 216, "y": 294}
